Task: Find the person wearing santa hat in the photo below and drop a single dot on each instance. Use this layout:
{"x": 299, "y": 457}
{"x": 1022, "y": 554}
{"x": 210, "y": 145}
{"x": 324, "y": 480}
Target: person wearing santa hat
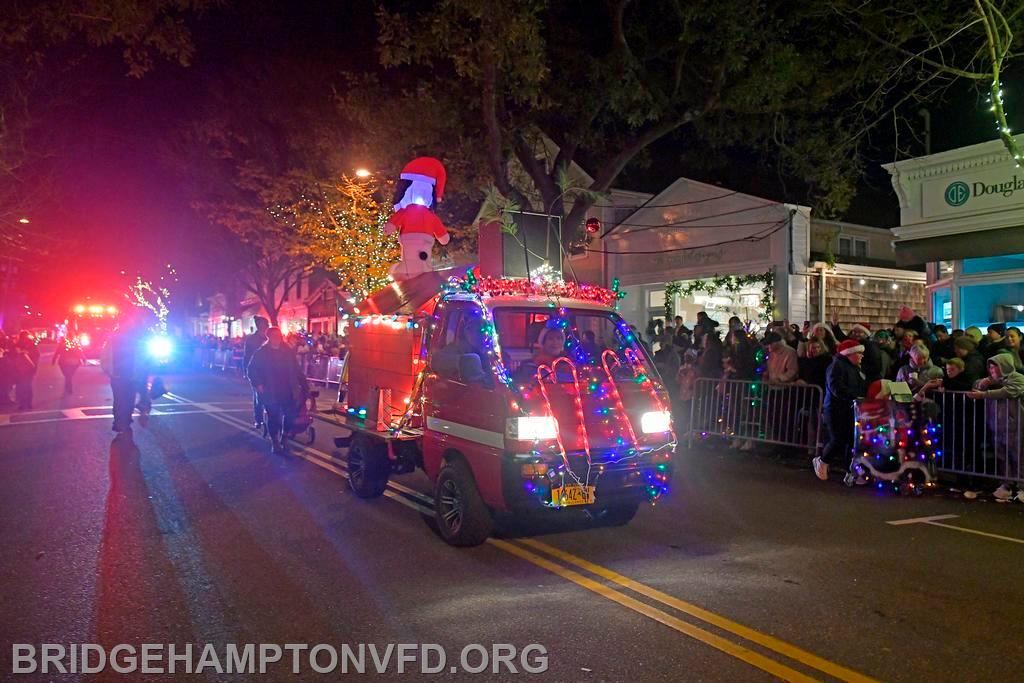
{"x": 844, "y": 384}
{"x": 420, "y": 188}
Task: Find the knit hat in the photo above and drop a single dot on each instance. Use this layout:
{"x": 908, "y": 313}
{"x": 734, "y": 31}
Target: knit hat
{"x": 998, "y": 328}
{"x": 965, "y": 342}
{"x": 863, "y": 328}
{"x": 883, "y": 334}
{"x": 772, "y": 337}
{"x": 906, "y": 314}
{"x": 850, "y": 347}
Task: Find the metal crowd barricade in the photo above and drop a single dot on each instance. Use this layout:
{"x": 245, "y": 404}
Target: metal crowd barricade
{"x": 324, "y": 369}
{"x": 783, "y": 414}
{"x": 316, "y": 367}
{"x": 980, "y": 438}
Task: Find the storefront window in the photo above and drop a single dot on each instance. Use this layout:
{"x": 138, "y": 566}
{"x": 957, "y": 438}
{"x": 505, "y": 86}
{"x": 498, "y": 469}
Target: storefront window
{"x": 981, "y": 305}
{"x": 942, "y": 307}
{"x": 992, "y": 264}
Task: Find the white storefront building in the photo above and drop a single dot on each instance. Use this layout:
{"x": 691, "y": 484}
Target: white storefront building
{"x": 694, "y": 231}
{"x": 962, "y": 212}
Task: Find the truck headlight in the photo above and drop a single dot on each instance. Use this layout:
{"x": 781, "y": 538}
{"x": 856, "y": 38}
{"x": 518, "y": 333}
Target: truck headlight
{"x": 533, "y": 428}
{"x": 656, "y": 422}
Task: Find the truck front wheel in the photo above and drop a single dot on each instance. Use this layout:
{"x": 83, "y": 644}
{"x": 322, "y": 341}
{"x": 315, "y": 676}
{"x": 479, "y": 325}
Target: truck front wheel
{"x": 619, "y": 514}
{"x": 368, "y": 467}
{"x": 463, "y": 518}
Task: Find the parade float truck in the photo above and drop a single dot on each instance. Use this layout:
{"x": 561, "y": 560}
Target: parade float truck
{"x": 514, "y": 396}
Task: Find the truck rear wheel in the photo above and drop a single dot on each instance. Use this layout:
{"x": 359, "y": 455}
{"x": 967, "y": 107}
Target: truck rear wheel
{"x": 368, "y": 466}
{"x": 463, "y": 518}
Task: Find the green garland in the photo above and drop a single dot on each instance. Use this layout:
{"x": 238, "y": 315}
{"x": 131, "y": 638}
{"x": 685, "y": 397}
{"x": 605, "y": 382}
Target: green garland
{"x": 730, "y": 283}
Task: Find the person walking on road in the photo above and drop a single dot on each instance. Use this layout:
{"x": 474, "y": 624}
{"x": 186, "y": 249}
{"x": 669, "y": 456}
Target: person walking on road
{"x": 25, "y": 364}
{"x": 123, "y": 362}
{"x": 279, "y": 382}
{"x": 844, "y": 384}
{"x": 69, "y": 357}
{"x": 253, "y": 342}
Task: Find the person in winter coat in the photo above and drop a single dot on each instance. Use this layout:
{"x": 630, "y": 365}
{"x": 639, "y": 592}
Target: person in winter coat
{"x": 872, "y": 364}
{"x": 912, "y": 321}
{"x": 782, "y": 366}
{"x": 920, "y": 370}
{"x": 966, "y": 349}
{"x": 69, "y": 357}
{"x": 710, "y": 363}
{"x": 844, "y": 384}
{"x": 887, "y": 354}
{"x": 24, "y": 363}
{"x": 814, "y": 364}
{"x": 279, "y": 381}
{"x": 252, "y": 343}
{"x": 942, "y": 349}
{"x": 994, "y": 341}
{"x": 124, "y": 362}
{"x": 1013, "y": 344}
{"x": 739, "y": 351}
{"x": 1003, "y": 391}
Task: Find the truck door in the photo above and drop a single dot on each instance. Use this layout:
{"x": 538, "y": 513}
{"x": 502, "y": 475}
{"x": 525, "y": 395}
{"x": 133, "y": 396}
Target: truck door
{"x": 465, "y": 409}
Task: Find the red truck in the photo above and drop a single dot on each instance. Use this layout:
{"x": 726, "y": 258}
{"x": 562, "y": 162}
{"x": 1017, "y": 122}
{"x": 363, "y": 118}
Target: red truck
{"x": 513, "y": 396}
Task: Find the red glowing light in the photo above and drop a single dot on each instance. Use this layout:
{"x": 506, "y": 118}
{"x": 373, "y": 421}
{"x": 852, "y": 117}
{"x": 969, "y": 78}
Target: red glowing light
{"x": 593, "y": 225}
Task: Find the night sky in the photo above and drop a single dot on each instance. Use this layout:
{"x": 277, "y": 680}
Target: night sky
{"x": 128, "y": 209}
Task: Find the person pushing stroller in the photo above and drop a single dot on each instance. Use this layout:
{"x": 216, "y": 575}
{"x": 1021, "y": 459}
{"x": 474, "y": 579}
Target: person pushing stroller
{"x": 280, "y": 385}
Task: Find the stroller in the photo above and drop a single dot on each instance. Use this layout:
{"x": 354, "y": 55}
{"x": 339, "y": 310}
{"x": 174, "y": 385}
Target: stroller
{"x": 299, "y": 420}
{"x": 895, "y": 440}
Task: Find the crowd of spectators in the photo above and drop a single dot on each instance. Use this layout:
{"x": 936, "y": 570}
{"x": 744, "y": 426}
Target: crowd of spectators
{"x": 929, "y": 358}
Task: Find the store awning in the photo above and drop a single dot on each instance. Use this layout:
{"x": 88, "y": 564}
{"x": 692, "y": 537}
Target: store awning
{"x": 964, "y": 245}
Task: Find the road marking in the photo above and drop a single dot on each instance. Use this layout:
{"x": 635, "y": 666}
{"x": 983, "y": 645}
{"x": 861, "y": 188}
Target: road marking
{"x": 933, "y": 521}
{"x": 920, "y": 520}
{"x": 736, "y": 650}
{"x": 326, "y": 461}
{"x": 718, "y": 642}
{"x": 764, "y": 640}
{"x": 72, "y": 415}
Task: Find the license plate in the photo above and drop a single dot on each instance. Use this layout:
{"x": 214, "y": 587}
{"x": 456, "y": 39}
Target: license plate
{"x": 573, "y": 495}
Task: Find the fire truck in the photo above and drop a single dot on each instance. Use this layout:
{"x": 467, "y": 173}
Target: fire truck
{"x": 91, "y": 325}
{"x": 512, "y": 395}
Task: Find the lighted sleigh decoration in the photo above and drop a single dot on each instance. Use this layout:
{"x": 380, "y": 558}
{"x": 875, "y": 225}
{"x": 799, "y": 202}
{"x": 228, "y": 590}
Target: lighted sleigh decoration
{"x": 895, "y": 443}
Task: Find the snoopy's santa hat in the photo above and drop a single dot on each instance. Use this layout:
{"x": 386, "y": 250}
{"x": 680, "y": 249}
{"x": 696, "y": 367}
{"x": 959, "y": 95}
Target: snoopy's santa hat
{"x": 428, "y": 170}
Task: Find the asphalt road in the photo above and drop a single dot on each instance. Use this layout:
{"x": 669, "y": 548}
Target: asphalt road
{"x": 752, "y": 570}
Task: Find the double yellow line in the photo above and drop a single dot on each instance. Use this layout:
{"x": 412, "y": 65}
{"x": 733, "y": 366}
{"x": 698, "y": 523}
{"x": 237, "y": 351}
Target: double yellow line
{"x": 561, "y": 563}
{"x": 525, "y": 548}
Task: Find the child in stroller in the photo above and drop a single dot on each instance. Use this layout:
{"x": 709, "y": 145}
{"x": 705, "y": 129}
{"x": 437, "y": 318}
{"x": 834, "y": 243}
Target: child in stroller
{"x": 895, "y": 441}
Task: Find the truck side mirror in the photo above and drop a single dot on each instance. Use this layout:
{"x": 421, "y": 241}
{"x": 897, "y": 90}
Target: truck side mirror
{"x": 471, "y": 369}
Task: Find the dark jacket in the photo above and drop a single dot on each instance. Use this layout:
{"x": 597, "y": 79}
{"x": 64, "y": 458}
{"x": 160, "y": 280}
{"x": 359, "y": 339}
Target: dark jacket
{"x": 917, "y": 324}
{"x": 252, "y": 344}
{"x": 974, "y": 367}
{"x": 710, "y": 363}
{"x": 943, "y": 350}
{"x": 815, "y": 370}
{"x": 276, "y": 375}
{"x": 871, "y": 366}
{"x": 992, "y": 348}
{"x": 844, "y": 384}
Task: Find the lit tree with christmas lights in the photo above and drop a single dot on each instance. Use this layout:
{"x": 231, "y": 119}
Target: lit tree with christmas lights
{"x": 343, "y": 225}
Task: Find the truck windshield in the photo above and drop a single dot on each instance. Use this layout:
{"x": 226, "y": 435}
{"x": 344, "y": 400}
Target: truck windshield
{"x": 530, "y": 338}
